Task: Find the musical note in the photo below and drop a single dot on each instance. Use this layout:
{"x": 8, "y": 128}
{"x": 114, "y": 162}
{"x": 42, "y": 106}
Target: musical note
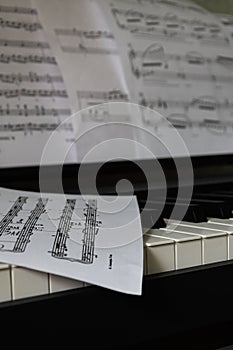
{"x": 35, "y": 127}
{"x": 32, "y": 93}
{"x": 62, "y": 245}
{"x": 38, "y": 111}
{"x": 90, "y": 34}
{"x": 203, "y": 103}
{"x": 100, "y": 115}
{"x": 12, "y": 213}
{"x": 17, "y": 9}
{"x": 103, "y": 96}
{"x": 156, "y": 56}
{"x": 169, "y": 27}
{"x": 27, "y": 44}
{"x": 32, "y": 77}
{"x": 28, "y": 26}
{"x": 168, "y": 3}
{"x": 20, "y": 237}
{"x": 152, "y": 64}
{"x": 7, "y": 58}
{"x": 82, "y": 49}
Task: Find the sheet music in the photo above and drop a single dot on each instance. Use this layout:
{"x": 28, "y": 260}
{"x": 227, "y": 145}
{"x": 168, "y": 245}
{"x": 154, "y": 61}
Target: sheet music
{"x": 88, "y": 56}
{"x": 86, "y": 51}
{"x": 92, "y": 239}
{"x": 33, "y": 97}
{"x": 177, "y": 60}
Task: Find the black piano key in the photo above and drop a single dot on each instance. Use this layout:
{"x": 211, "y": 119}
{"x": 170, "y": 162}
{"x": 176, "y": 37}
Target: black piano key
{"x": 191, "y": 212}
{"x": 151, "y": 219}
{"x": 213, "y": 208}
{"x": 227, "y": 198}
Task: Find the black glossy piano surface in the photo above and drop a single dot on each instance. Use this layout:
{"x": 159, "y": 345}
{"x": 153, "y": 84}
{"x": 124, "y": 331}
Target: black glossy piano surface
{"x": 190, "y": 308}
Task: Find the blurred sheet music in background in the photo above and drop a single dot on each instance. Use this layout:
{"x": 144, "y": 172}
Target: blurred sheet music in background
{"x": 178, "y": 60}
{"x": 33, "y": 96}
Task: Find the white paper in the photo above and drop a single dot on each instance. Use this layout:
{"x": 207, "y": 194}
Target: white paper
{"x": 88, "y": 56}
{"x": 86, "y": 51}
{"x": 177, "y": 60}
{"x": 95, "y": 240}
{"x": 33, "y": 98}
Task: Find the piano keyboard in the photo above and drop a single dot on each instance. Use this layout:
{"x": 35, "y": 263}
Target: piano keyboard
{"x": 18, "y": 282}
{"x": 200, "y": 239}
{"x": 193, "y": 241}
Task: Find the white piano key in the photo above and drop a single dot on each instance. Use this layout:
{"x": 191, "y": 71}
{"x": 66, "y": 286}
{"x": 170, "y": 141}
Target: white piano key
{"x": 27, "y": 283}
{"x": 4, "y": 266}
{"x": 5, "y": 285}
{"x": 199, "y": 225}
{"x": 188, "y": 248}
{"x": 214, "y": 241}
{"x": 227, "y": 225}
{"x": 159, "y": 254}
{"x": 60, "y": 283}
{"x": 228, "y": 222}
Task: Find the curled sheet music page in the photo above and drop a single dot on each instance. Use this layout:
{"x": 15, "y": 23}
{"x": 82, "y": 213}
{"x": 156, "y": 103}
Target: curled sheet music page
{"x": 97, "y": 240}
{"x": 33, "y": 98}
{"x": 86, "y": 51}
{"x": 89, "y": 59}
{"x": 178, "y": 60}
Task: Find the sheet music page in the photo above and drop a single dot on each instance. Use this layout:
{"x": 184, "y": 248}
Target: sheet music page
{"x": 34, "y": 100}
{"x": 89, "y": 59}
{"x": 97, "y": 240}
{"x": 223, "y": 10}
{"x": 178, "y": 60}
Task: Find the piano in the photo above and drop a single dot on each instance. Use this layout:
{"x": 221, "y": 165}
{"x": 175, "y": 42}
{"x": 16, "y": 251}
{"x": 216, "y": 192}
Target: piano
{"x": 188, "y": 266}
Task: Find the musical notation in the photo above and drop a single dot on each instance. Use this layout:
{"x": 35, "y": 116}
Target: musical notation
{"x": 18, "y": 58}
{"x": 28, "y": 26}
{"x": 182, "y": 121}
{"x": 103, "y": 114}
{"x": 169, "y": 27}
{"x": 31, "y": 77}
{"x": 32, "y": 93}
{"x": 34, "y": 100}
{"x": 203, "y": 103}
{"x": 226, "y": 20}
{"x": 83, "y": 49}
{"x": 26, "y": 44}
{"x": 103, "y": 96}
{"x": 153, "y": 64}
{"x": 15, "y": 235}
{"x": 18, "y": 10}
{"x": 172, "y": 20}
{"x": 89, "y": 232}
{"x": 36, "y": 111}
{"x": 59, "y": 246}
{"x": 149, "y": 75}
{"x": 155, "y": 56}
{"x": 166, "y": 35}
{"x": 87, "y": 34}
{"x": 62, "y": 243}
{"x": 12, "y": 213}
{"x": 72, "y": 236}
{"x": 36, "y": 127}
{"x": 179, "y": 5}
{"x": 173, "y": 4}
{"x": 23, "y": 236}
{"x": 178, "y": 113}
{"x": 88, "y": 41}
